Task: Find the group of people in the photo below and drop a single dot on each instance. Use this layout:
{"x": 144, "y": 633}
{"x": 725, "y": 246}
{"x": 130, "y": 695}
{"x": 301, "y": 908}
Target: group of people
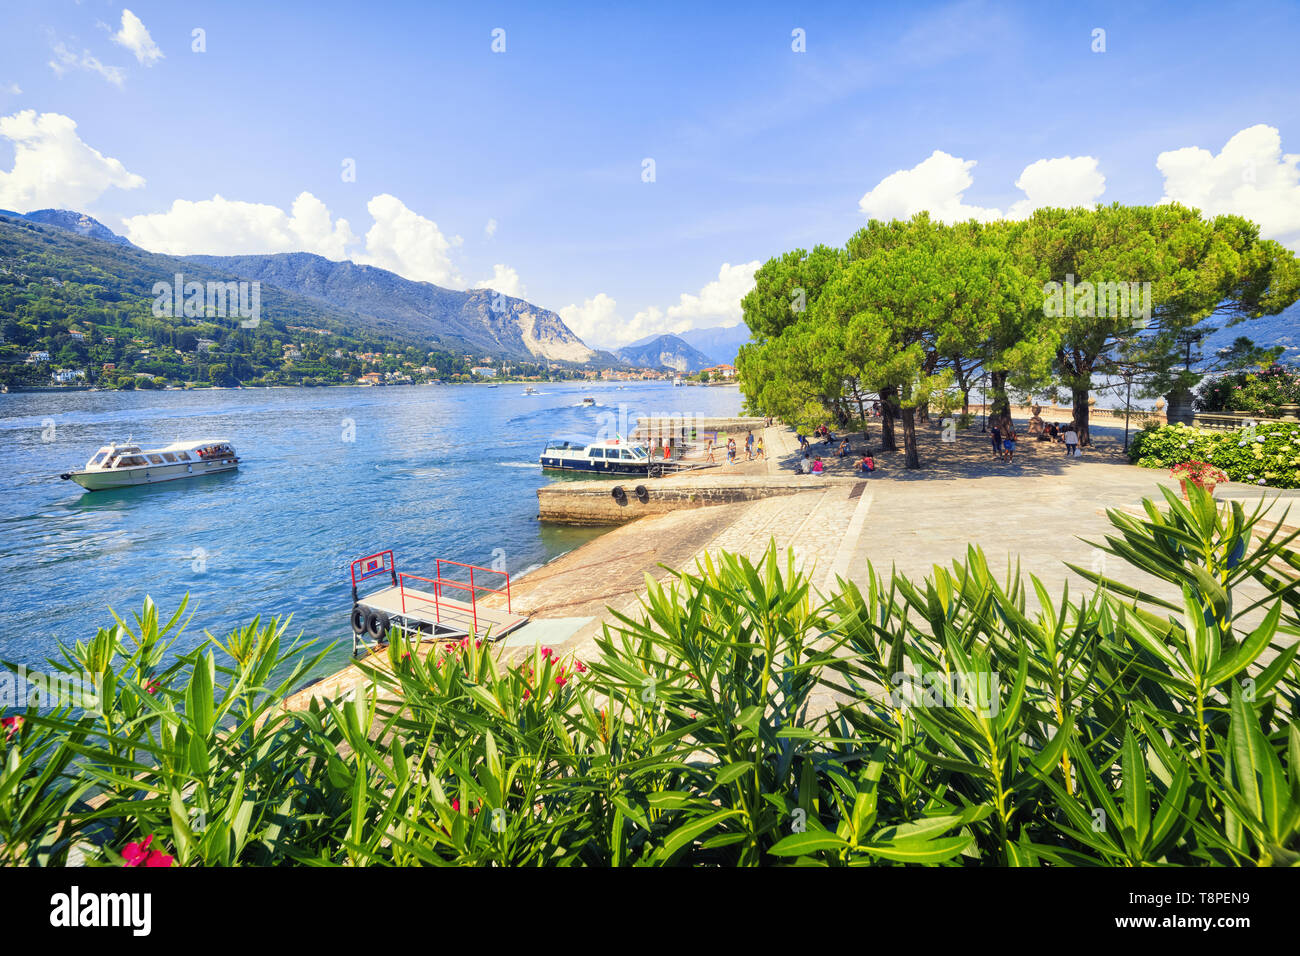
{"x": 1004, "y": 441}
{"x": 753, "y": 450}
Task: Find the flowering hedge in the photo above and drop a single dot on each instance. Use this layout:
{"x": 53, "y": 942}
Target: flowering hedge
{"x": 1263, "y": 391}
{"x": 1266, "y": 454}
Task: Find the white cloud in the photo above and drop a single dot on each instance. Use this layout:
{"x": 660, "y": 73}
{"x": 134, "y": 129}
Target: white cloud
{"x": 936, "y": 183}
{"x": 134, "y": 35}
{"x": 407, "y": 243}
{"x": 13, "y": 89}
{"x": 65, "y": 60}
{"x": 490, "y": 229}
{"x": 53, "y": 167}
{"x": 717, "y": 303}
{"x": 399, "y": 240}
{"x": 595, "y": 320}
{"x": 504, "y": 279}
{"x": 220, "y": 226}
{"x": 1066, "y": 182}
{"x": 1250, "y": 177}
{"x": 939, "y": 183}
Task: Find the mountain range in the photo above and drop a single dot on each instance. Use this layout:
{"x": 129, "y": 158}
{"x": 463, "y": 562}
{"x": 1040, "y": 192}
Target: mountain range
{"x": 312, "y": 290}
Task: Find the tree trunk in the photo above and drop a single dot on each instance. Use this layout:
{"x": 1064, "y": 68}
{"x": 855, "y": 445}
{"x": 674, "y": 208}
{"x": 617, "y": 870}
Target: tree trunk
{"x": 913, "y": 458}
{"x": 887, "y": 400}
{"x": 965, "y": 403}
{"x": 1081, "y": 409}
{"x": 999, "y": 410}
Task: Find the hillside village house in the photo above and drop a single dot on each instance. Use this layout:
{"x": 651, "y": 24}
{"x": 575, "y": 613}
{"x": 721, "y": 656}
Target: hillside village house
{"x": 66, "y": 376}
{"x": 720, "y": 371}
{"x": 484, "y": 371}
{"x": 34, "y": 357}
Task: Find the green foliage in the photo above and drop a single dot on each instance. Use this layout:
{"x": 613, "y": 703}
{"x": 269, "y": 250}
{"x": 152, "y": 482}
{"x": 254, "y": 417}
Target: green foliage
{"x": 1265, "y": 454}
{"x": 736, "y": 719}
{"x": 1260, "y": 390}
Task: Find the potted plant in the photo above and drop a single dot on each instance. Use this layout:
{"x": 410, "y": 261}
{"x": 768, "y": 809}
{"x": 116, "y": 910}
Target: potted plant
{"x": 1200, "y": 473}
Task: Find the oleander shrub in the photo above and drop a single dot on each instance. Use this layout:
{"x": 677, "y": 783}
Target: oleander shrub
{"x": 1265, "y": 454}
{"x": 1262, "y": 391}
{"x": 736, "y": 719}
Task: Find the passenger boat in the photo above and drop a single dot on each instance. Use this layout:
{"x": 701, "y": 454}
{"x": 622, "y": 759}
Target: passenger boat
{"x": 529, "y": 390}
{"x": 120, "y": 466}
{"x": 588, "y": 402}
{"x": 611, "y": 456}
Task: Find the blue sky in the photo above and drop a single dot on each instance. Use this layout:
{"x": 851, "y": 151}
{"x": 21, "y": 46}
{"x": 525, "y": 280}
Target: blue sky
{"x": 757, "y": 148}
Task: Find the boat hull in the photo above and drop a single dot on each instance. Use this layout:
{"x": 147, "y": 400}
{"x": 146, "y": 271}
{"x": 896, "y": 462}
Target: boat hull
{"x": 598, "y": 466}
{"x": 151, "y": 475}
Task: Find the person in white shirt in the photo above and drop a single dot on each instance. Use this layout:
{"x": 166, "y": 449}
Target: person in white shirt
{"x": 1071, "y": 441}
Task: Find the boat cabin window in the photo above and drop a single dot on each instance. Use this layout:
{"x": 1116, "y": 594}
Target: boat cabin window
{"x": 130, "y": 461}
{"x": 626, "y": 454}
{"x": 557, "y": 444}
{"x": 596, "y": 453}
{"x": 168, "y": 456}
{"x": 639, "y": 451}
{"x": 183, "y": 456}
{"x": 155, "y": 459}
{"x": 99, "y": 459}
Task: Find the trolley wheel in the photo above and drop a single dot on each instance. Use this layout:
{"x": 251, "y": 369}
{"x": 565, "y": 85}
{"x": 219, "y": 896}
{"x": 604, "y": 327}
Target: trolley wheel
{"x": 358, "y": 619}
{"x": 377, "y": 625}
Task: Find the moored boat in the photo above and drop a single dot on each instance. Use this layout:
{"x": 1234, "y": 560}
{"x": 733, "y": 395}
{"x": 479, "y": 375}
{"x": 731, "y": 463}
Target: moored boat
{"x": 611, "y": 456}
{"x": 120, "y": 466}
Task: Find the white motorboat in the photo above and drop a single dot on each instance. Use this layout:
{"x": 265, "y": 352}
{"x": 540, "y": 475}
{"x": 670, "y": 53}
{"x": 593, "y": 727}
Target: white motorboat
{"x": 529, "y": 390}
{"x": 608, "y": 457}
{"x": 120, "y": 466}
{"x": 588, "y": 402}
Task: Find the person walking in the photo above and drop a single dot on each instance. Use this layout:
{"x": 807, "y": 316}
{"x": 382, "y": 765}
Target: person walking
{"x": 708, "y": 451}
{"x": 1009, "y": 445}
{"x": 995, "y": 436}
{"x": 749, "y": 446}
{"x": 758, "y": 449}
{"x": 1071, "y": 440}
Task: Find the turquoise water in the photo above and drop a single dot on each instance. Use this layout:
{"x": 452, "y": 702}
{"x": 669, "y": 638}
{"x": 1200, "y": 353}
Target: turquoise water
{"x": 328, "y": 475}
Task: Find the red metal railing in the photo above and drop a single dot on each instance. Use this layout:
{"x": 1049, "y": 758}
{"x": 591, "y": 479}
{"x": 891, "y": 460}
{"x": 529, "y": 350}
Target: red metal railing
{"x": 440, "y": 582}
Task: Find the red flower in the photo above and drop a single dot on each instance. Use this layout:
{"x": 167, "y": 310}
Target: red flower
{"x": 582, "y": 668}
{"x": 455, "y": 804}
{"x": 152, "y": 687}
{"x": 527, "y": 693}
{"x": 561, "y": 680}
{"x": 139, "y": 854}
{"x": 11, "y": 725}
{"x": 546, "y": 652}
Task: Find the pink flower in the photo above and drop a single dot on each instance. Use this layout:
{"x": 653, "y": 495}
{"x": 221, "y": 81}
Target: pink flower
{"x": 455, "y": 804}
{"x": 582, "y": 668}
{"x": 139, "y": 854}
{"x": 561, "y": 680}
{"x": 546, "y": 652}
{"x": 11, "y": 725}
{"x": 152, "y": 687}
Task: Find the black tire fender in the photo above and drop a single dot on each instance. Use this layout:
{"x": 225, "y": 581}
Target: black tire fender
{"x": 358, "y": 619}
{"x": 619, "y": 494}
{"x": 377, "y": 625}
{"x": 642, "y": 494}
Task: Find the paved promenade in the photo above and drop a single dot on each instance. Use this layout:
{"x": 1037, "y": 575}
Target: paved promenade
{"x": 1039, "y": 510}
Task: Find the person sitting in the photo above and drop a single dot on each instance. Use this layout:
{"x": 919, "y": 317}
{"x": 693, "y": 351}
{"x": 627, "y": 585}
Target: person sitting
{"x": 817, "y": 466}
{"x": 843, "y": 450}
{"x": 867, "y": 464}
{"x": 805, "y": 464}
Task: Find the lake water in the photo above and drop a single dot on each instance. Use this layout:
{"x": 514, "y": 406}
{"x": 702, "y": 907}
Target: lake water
{"x": 327, "y": 475}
